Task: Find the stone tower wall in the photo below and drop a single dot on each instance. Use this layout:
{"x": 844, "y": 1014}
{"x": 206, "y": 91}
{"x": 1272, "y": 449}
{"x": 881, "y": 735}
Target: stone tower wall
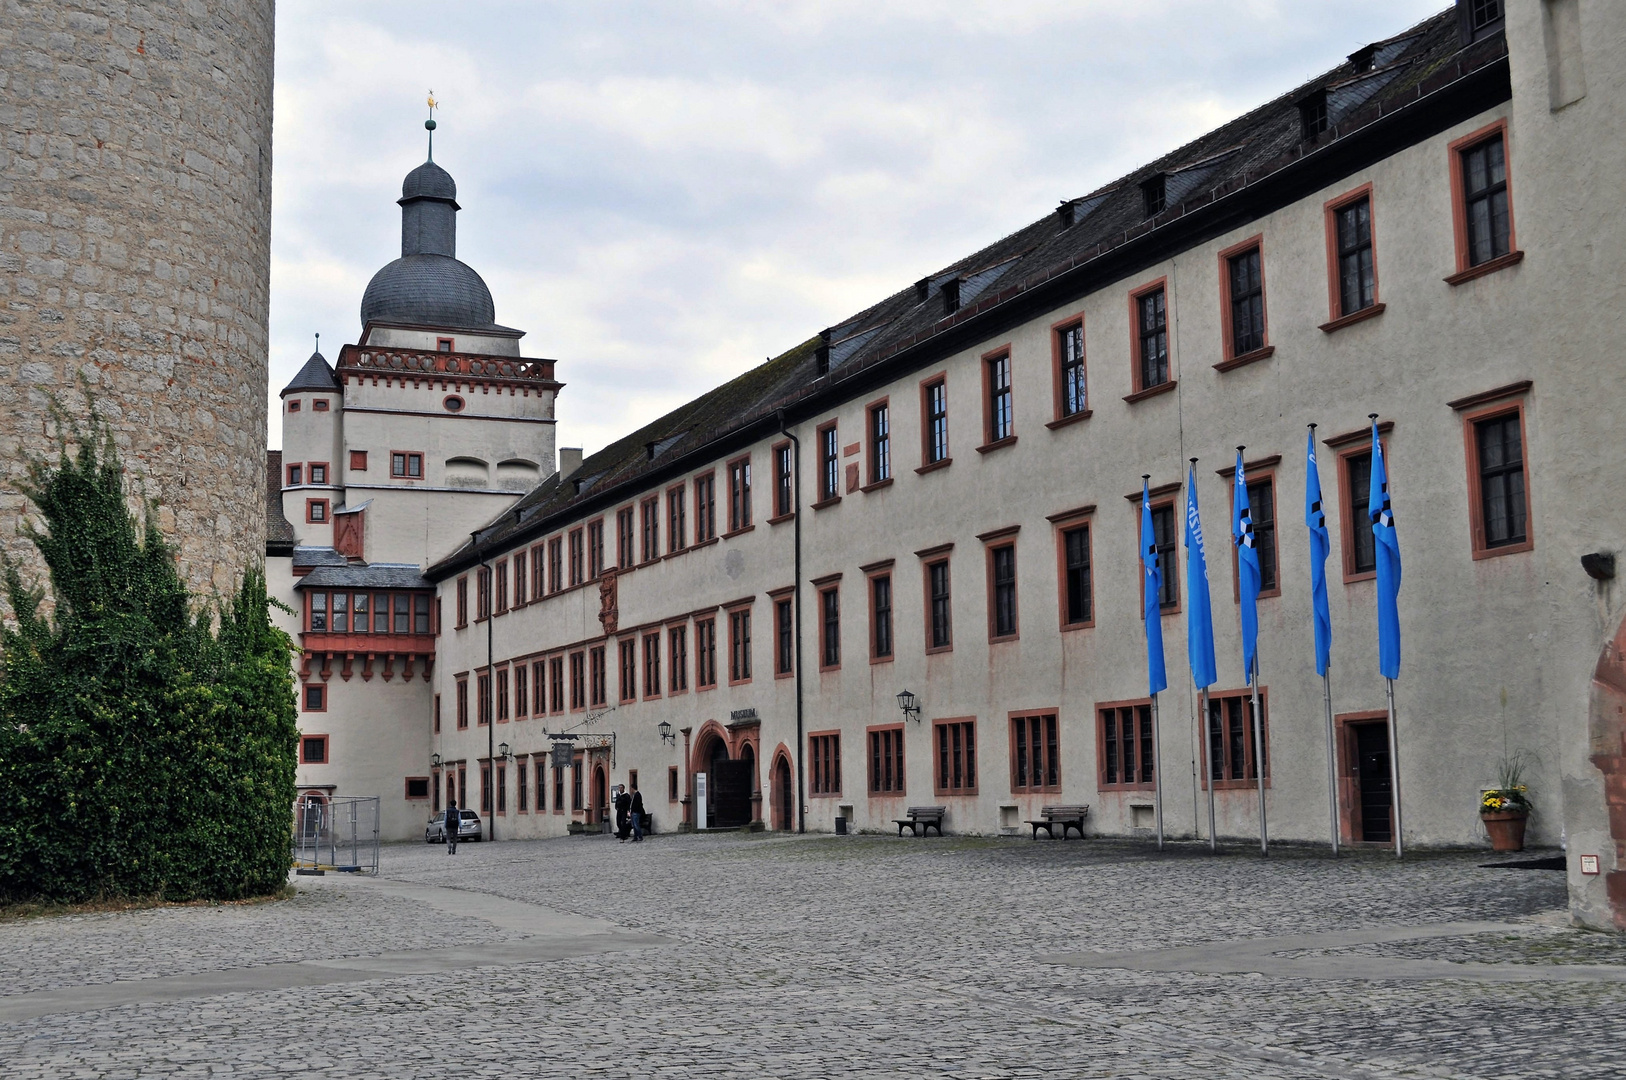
{"x": 135, "y": 221}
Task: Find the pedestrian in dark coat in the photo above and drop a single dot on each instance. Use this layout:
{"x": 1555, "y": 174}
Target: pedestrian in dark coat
{"x": 637, "y": 814}
{"x": 454, "y": 820}
{"x": 623, "y": 806}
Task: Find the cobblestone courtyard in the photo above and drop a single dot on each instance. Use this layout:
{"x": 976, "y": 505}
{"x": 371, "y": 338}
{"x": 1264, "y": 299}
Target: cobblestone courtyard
{"x": 734, "y": 956}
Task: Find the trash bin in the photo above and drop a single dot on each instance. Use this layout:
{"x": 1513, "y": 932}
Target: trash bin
{"x": 841, "y": 826}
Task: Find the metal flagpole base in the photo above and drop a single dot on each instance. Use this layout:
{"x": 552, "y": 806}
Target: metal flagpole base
{"x": 1259, "y": 760}
{"x": 1208, "y": 759}
{"x": 1332, "y": 760}
{"x": 1157, "y": 771}
{"x": 1394, "y": 770}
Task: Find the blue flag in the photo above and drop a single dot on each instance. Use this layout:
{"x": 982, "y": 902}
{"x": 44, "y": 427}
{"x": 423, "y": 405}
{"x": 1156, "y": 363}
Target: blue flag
{"x": 1199, "y": 617}
{"x": 1388, "y": 559}
{"x": 1156, "y": 677}
{"x": 1247, "y": 567}
{"x": 1316, "y": 518}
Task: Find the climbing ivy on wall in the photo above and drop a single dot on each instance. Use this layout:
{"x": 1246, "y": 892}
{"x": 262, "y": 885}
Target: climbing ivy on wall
{"x": 147, "y": 740}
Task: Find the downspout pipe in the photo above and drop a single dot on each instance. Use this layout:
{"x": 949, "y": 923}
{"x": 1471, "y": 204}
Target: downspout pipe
{"x": 796, "y": 600}
{"x": 491, "y": 681}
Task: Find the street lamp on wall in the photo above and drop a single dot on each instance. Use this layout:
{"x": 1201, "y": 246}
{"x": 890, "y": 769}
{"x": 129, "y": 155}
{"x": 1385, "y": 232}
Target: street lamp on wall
{"x": 910, "y": 706}
{"x": 434, "y": 761}
{"x": 665, "y": 730}
{"x": 502, "y": 750}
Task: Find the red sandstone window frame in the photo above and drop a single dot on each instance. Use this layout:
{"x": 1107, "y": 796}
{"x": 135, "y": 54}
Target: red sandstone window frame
{"x": 556, "y": 564}
{"x": 677, "y": 518}
{"x": 739, "y": 494}
{"x": 1001, "y": 540}
{"x": 1231, "y": 359}
{"x": 539, "y": 574}
{"x": 578, "y": 680}
{"x": 1336, "y": 319}
{"x": 927, "y": 462}
{"x": 503, "y": 699}
{"x": 677, "y": 664}
{"x": 626, "y": 530}
{"x": 649, "y": 530}
{"x": 521, "y": 591}
{"x": 967, "y": 726}
{"x": 739, "y": 644}
{"x": 784, "y": 495}
{"x": 318, "y": 511}
{"x": 827, "y": 444}
{"x": 406, "y": 460}
{"x": 991, "y": 440}
{"x": 1249, "y": 750}
{"x": 1140, "y": 390}
{"x": 358, "y": 461}
{"x": 1058, "y": 385}
{"x": 293, "y": 405}
{"x": 296, "y": 475}
{"x": 627, "y": 653}
{"x": 462, "y": 701}
{"x": 321, "y": 698}
{"x": 874, "y": 573}
{"x": 1351, "y": 517}
{"x": 598, "y": 678}
{"x": 501, "y": 571}
{"x": 1042, "y": 763}
{"x": 306, "y": 741}
{"x": 406, "y": 788}
{"x": 884, "y": 748}
{"x": 310, "y": 472}
{"x": 437, "y": 714}
{"x": 1061, "y": 525}
{"x": 828, "y": 586}
{"x": 1457, "y": 149}
{"x": 705, "y": 507}
{"x": 1262, "y": 472}
{"x": 784, "y": 629}
{"x": 877, "y": 445}
{"x": 1471, "y": 419}
{"x": 482, "y": 594}
{"x": 705, "y": 653}
{"x": 930, "y": 559}
{"x": 652, "y": 665}
{"x": 482, "y": 698}
{"x": 1101, "y": 781}
{"x": 319, "y": 404}
{"x": 577, "y": 544}
{"x": 673, "y": 791}
{"x": 824, "y": 764}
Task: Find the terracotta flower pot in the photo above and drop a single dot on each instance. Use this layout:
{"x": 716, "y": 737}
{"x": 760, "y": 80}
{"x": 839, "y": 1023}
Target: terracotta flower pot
{"x": 1506, "y": 828}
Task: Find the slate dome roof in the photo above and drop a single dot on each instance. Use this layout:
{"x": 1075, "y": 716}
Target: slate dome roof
{"x": 429, "y": 181}
{"x": 429, "y": 290}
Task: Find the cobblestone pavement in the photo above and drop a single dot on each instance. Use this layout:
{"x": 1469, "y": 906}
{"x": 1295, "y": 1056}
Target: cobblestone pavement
{"x": 838, "y": 956}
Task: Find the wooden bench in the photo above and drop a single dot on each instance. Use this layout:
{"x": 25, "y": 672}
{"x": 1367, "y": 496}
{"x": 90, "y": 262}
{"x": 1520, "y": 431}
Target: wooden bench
{"x": 1063, "y": 817}
{"x": 922, "y": 818}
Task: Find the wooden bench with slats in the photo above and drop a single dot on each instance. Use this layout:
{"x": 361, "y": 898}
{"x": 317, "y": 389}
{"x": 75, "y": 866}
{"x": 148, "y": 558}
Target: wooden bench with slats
{"x": 1063, "y": 817}
{"x": 922, "y": 818}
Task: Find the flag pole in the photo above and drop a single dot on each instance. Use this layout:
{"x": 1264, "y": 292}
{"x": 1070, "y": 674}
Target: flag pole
{"x": 1394, "y": 769}
{"x": 1157, "y": 771}
{"x": 1332, "y": 757}
{"x": 1208, "y": 758}
{"x": 1258, "y": 760}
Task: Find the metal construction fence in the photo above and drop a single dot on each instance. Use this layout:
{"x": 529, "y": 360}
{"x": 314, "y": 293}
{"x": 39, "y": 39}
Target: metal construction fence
{"x": 337, "y": 833}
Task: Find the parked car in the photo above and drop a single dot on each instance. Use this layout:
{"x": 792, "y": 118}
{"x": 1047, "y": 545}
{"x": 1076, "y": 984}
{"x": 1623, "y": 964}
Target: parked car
{"x": 468, "y": 828}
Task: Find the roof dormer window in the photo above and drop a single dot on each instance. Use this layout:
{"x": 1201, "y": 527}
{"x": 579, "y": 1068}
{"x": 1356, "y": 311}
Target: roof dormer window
{"x": 1479, "y": 18}
{"x": 1364, "y": 58}
{"x": 443, "y": 344}
{"x": 1313, "y": 115}
{"x": 951, "y": 296}
{"x": 1154, "y": 195}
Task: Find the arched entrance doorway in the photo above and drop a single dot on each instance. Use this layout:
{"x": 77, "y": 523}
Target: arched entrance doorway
{"x": 784, "y": 813}
{"x": 601, "y": 796}
{"x": 728, "y": 784}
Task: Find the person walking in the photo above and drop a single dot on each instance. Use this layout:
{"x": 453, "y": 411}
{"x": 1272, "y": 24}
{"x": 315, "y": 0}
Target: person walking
{"x": 454, "y": 821}
{"x": 637, "y": 814}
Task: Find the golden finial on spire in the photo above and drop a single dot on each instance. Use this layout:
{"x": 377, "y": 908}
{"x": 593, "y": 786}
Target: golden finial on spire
{"x": 429, "y": 124}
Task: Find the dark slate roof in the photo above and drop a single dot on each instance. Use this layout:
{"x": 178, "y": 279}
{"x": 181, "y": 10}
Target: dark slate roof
{"x": 1421, "y": 82}
{"x": 318, "y": 556}
{"x": 429, "y": 290}
{"x": 428, "y": 181}
{"x": 315, "y": 375}
{"x": 279, "y": 533}
{"x": 375, "y": 576}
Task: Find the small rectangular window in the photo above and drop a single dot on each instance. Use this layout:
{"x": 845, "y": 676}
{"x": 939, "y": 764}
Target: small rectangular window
{"x": 1485, "y": 206}
{"x": 444, "y": 344}
{"x": 936, "y": 426}
{"x": 1152, "y": 339}
{"x": 1357, "y": 273}
{"x": 1071, "y": 399}
{"x": 886, "y": 761}
{"x": 318, "y": 473}
{"x": 1125, "y": 733}
{"x": 1077, "y": 586}
{"x": 293, "y": 405}
{"x": 880, "y": 592}
{"x": 407, "y": 465}
{"x": 652, "y": 665}
{"x": 1246, "y": 291}
{"x": 677, "y": 648}
{"x": 1313, "y": 119}
{"x": 880, "y": 443}
{"x": 672, "y": 783}
{"x": 1362, "y": 554}
{"x": 939, "y": 631}
{"x": 315, "y": 697}
{"x": 739, "y": 645}
{"x": 521, "y": 588}
{"x": 829, "y": 628}
{"x": 782, "y": 477}
{"x": 998, "y": 375}
{"x": 1002, "y": 588}
{"x": 829, "y": 463}
{"x": 1233, "y": 757}
{"x": 313, "y": 748}
{"x": 1168, "y": 563}
{"x": 677, "y": 521}
{"x": 824, "y": 759}
{"x": 629, "y": 670}
{"x": 316, "y": 510}
{"x": 956, "y": 744}
{"x": 597, "y": 680}
{"x": 705, "y": 653}
{"x": 1502, "y": 507}
{"x": 319, "y": 404}
{"x": 739, "y": 494}
{"x": 784, "y": 632}
{"x": 417, "y": 787}
{"x": 296, "y": 475}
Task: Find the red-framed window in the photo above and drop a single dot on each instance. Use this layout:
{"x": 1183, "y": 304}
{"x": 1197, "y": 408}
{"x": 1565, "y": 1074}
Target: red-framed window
{"x": 1069, "y": 374}
{"x": 1075, "y": 575}
{"x": 1352, "y": 267}
{"x": 829, "y": 444}
{"x": 597, "y": 678}
{"x": 293, "y": 404}
{"x": 482, "y": 698}
{"x": 296, "y": 475}
{"x": 358, "y": 461}
{"x": 318, "y": 472}
{"x": 824, "y": 763}
{"x": 652, "y": 665}
{"x": 1002, "y": 607}
{"x": 624, "y": 551}
{"x": 1035, "y": 752}
{"x": 677, "y": 518}
{"x": 705, "y": 653}
{"x": 315, "y": 698}
{"x": 998, "y": 399}
{"x": 503, "y": 702}
{"x": 463, "y": 601}
{"x": 1498, "y": 492}
{"x": 556, "y": 564}
{"x": 406, "y": 464}
{"x": 878, "y": 429}
{"x": 462, "y": 701}
{"x": 783, "y": 481}
{"x": 886, "y": 773}
{"x": 705, "y": 507}
{"x": 1124, "y": 740}
{"x": 739, "y": 494}
{"x": 313, "y": 749}
{"x": 539, "y": 572}
{"x": 521, "y": 590}
{"x": 482, "y": 593}
{"x": 578, "y": 681}
{"x": 649, "y": 512}
{"x": 739, "y": 646}
{"x": 577, "y": 560}
{"x": 629, "y": 669}
{"x": 1482, "y": 202}
{"x": 954, "y": 742}
{"x": 556, "y": 684}
{"x": 934, "y": 431}
{"x": 939, "y": 605}
{"x": 317, "y": 510}
{"x": 882, "y": 643}
{"x": 595, "y": 548}
{"x": 1149, "y": 338}
{"x": 417, "y": 788}
{"x": 1230, "y": 757}
{"x": 1243, "y": 327}
{"x": 502, "y": 586}
{"x": 829, "y": 626}
{"x": 677, "y": 653}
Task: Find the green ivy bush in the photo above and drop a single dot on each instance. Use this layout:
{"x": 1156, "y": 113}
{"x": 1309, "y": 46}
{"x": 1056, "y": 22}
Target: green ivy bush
{"x": 147, "y": 742}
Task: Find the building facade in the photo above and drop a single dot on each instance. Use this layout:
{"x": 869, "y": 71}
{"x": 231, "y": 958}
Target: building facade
{"x": 430, "y": 424}
{"x": 135, "y": 225}
{"x": 941, "y": 495}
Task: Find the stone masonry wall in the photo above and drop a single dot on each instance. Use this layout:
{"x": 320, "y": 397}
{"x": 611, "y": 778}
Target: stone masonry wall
{"x": 135, "y": 219}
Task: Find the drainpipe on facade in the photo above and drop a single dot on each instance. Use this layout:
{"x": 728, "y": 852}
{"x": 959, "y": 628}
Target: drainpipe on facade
{"x": 491, "y": 681}
{"x": 796, "y": 600}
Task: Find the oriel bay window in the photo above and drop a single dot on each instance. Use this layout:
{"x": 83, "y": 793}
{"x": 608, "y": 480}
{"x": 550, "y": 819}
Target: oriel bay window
{"x": 886, "y": 761}
{"x": 1124, "y": 744}
{"x": 629, "y": 670}
{"x": 1498, "y": 508}
{"x": 956, "y": 749}
{"x": 824, "y": 760}
{"x": 1232, "y": 759}
{"x": 1035, "y": 755}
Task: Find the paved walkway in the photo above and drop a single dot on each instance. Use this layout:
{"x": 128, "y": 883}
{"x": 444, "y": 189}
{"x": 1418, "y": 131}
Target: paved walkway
{"x": 732, "y": 956}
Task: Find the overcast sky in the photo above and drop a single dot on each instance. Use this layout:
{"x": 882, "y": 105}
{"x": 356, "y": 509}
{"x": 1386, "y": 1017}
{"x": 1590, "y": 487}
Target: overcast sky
{"x": 663, "y": 194}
